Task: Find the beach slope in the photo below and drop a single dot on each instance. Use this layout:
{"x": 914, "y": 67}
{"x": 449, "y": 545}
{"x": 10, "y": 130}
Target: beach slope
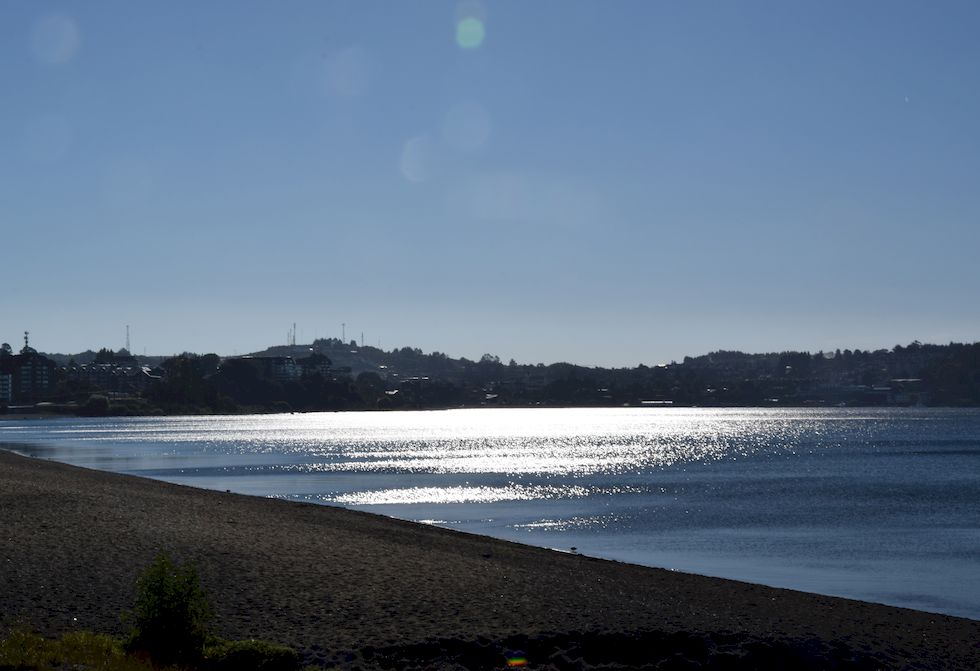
{"x": 352, "y": 589}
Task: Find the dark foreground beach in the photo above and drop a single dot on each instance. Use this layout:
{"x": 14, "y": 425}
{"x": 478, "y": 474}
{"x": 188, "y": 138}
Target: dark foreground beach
{"x": 355, "y": 590}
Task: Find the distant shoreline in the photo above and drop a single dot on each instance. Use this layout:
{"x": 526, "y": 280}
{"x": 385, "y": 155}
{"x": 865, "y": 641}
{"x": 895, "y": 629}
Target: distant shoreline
{"x": 349, "y": 587}
{"x": 329, "y": 375}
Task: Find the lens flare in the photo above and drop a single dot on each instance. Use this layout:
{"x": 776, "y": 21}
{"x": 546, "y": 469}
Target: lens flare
{"x": 470, "y": 33}
{"x": 416, "y": 159}
{"x": 55, "y": 39}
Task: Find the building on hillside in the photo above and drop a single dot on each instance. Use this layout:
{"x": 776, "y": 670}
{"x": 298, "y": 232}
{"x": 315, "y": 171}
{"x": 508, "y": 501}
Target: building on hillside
{"x": 278, "y": 368}
{"x": 6, "y": 388}
{"x": 32, "y": 375}
{"x": 315, "y": 364}
{"x": 127, "y": 379}
{"x": 283, "y": 369}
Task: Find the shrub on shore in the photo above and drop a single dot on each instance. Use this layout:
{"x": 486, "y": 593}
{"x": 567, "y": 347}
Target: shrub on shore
{"x": 26, "y": 650}
{"x": 253, "y": 655}
{"x": 171, "y": 614}
{"x": 170, "y": 630}
{"x": 171, "y": 625}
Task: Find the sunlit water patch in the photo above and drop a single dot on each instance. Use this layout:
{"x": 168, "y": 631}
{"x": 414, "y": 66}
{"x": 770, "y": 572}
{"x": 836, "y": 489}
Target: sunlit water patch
{"x": 457, "y": 495}
{"x": 587, "y": 522}
{"x": 481, "y": 494}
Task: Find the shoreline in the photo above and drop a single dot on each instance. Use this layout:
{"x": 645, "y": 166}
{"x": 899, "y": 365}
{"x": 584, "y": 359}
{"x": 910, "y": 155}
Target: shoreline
{"x": 573, "y": 552}
{"x": 347, "y": 587}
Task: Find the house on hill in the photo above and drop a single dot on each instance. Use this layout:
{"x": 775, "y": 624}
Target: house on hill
{"x": 26, "y": 377}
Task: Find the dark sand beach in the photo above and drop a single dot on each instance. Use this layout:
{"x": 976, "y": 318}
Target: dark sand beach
{"x": 355, "y": 590}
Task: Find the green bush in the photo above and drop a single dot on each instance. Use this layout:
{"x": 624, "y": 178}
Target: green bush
{"x": 250, "y": 655}
{"x": 24, "y": 650}
{"x": 171, "y": 613}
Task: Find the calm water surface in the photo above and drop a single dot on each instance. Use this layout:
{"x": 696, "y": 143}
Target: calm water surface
{"x": 874, "y": 504}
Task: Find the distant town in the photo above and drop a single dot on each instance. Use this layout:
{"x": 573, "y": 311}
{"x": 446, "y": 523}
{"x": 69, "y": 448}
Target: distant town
{"x": 331, "y": 374}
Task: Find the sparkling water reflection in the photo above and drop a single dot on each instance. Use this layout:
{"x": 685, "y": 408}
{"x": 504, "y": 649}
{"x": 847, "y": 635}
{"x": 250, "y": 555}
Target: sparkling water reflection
{"x": 872, "y": 504}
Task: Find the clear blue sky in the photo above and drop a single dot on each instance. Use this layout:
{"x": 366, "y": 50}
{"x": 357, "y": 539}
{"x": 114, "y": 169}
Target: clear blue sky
{"x": 599, "y": 182}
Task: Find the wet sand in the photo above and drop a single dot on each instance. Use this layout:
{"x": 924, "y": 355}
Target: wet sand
{"x": 351, "y": 589}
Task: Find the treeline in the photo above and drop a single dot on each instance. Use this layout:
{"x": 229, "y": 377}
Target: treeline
{"x": 192, "y": 383}
{"x": 334, "y": 375}
{"x": 916, "y": 374}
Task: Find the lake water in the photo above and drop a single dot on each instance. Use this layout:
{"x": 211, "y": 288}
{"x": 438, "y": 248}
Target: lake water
{"x": 874, "y": 504}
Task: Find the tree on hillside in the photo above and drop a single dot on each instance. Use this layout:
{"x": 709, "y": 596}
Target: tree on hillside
{"x": 184, "y": 381}
{"x": 240, "y": 380}
{"x": 370, "y": 387}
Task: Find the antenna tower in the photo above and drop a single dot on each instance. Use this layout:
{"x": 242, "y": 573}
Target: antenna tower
{"x": 26, "y": 336}
{"x": 127, "y": 339}
{"x": 343, "y": 332}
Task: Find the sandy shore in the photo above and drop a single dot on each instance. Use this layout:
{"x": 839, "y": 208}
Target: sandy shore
{"x": 353, "y": 589}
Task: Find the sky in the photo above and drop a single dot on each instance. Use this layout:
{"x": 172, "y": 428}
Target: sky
{"x": 605, "y": 183}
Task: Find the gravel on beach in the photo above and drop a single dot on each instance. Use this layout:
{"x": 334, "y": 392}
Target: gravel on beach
{"x": 354, "y": 590}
